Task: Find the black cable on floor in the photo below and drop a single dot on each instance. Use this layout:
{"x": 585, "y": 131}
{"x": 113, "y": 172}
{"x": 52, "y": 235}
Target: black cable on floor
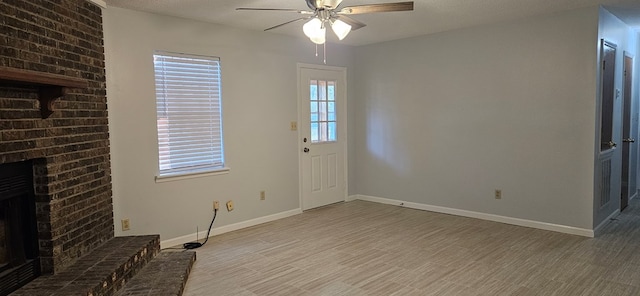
{"x": 195, "y": 245}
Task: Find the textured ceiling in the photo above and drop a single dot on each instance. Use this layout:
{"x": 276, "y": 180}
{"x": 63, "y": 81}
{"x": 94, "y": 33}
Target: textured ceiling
{"x": 429, "y": 16}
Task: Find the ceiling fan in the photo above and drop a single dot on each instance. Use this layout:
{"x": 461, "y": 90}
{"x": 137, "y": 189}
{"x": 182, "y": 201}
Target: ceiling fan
{"x": 328, "y": 12}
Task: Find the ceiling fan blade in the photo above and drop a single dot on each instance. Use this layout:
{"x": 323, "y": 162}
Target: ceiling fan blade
{"x": 291, "y": 21}
{"x": 276, "y": 9}
{"x": 371, "y": 8}
{"x": 331, "y": 4}
{"x": 313, "y": 4}
{"x": 355, "y": 24}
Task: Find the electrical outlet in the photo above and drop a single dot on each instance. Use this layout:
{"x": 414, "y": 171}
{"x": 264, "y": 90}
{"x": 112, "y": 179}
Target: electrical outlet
{"x": 262, "y": 195}
{"x": 230, "y": 206}
{"x": 294, "y": 126}
{"x": 125, "y": 224}
{"x": 498, "y": 194}
{"x": 216, "y": 205}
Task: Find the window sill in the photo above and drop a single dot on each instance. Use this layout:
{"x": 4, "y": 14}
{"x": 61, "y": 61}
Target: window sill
{"x": 185, "y": 176}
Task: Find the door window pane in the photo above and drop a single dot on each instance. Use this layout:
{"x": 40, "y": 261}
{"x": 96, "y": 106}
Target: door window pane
{"x": 331, "y": 111}
{"x": 313, "y": 90}
{"x": 314, "y": 132}
{"x": 332, "y": 130}
{"x": 323, "y": 111}
{"x": 332, "y": 90}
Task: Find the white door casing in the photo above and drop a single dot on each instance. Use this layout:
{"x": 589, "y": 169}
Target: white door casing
{"x": 322, "y": 135}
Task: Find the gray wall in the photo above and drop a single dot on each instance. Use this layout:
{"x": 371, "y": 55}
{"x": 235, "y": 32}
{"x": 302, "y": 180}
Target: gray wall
{"x": 439, "y": 120}
{"x": 445, "y": 119}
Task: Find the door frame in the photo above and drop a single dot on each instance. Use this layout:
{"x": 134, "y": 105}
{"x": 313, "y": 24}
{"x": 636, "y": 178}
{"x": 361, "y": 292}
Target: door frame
{"x": 343, "y": 72}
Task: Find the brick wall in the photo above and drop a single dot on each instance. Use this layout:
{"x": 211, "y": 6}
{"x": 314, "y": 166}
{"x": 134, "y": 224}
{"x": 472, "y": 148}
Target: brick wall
{"x": 71, "y": 147}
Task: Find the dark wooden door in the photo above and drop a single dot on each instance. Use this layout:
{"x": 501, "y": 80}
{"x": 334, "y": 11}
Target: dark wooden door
{"x": 628, "y": 139}
{"x": 608, "y": 96}
{"x": 608, "y": 170}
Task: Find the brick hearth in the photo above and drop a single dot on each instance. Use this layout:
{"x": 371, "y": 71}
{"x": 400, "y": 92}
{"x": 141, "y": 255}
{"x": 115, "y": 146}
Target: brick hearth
{"x": 107, "y": 269}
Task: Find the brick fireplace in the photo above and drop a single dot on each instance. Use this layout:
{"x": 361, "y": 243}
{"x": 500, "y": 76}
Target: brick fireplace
{"x": 68, "y": 150}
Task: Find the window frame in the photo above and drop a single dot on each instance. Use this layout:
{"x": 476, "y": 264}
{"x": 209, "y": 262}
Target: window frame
{"x": 216, "y": 143}
{"x": 323, "y": 95}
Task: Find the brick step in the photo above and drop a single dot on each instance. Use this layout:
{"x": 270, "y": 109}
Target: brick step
{"x": 165, "y": 275}
{"x": 101, "y": 272}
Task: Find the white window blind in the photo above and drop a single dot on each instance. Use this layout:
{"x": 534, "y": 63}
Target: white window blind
{"x": 189, "y": 113}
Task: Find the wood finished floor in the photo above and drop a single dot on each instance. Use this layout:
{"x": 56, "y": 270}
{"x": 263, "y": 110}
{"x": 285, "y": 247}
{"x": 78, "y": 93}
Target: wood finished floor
{"x": 364, "y": 248}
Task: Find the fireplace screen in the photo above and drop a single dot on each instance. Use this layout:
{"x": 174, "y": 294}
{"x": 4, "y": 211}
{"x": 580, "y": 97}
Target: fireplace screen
{"x": 4, "y": 257}
{"x": 19, "y": 261}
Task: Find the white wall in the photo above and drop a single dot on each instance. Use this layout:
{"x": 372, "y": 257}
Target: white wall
{"x": 612, "y": 29}
{"x": 259, "y": 88}
{"x": 445, "y": 119}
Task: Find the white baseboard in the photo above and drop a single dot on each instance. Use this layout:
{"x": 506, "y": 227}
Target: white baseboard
{"x": 227, "y": 228}
{"x": 483, "y": 216}
{"x": 351, "y": 198}
{"x": 605, "y": 222}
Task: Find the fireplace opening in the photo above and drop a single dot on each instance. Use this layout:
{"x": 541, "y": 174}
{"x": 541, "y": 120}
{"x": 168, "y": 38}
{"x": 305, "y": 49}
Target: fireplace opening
{"x": 19, "y": 261}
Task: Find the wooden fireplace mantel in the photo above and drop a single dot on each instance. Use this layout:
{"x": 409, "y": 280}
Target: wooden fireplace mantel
{"x": 50, "y": 86}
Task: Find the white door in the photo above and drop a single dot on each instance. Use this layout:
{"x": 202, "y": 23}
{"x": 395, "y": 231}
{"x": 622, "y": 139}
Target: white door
{"x": 322, "y": 135}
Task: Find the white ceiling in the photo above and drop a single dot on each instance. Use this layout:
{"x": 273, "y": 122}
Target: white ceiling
{"x": 429, "y": 16}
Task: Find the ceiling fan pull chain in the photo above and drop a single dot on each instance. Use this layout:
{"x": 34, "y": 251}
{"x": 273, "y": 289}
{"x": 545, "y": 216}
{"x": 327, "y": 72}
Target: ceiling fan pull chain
{"x": 324, "y": 55}
{"x": 316, "y": 50}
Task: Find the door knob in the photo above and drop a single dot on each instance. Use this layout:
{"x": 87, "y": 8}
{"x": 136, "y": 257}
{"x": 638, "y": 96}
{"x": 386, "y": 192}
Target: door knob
{"x": 612, "y": 144}
{"x": 629, "y": 140}
{"x": 306, "y": 150}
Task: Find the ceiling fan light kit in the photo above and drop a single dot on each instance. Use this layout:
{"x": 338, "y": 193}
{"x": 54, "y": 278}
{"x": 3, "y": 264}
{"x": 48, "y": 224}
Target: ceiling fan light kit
{"x": 327, "y": 12}
{"x": 341, "y": 28}
{"x": 315, "y": 30}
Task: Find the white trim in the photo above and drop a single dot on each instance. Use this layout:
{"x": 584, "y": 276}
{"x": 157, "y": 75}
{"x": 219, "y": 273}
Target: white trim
{"x": 351, "y": 198}
{"x": 100, "y": 3}
{"x": 191, "y": 175}
{"x": 227, "y": 228}
{"x": 630, "y": 55}
{"x": 323, "y": 67}
{"x": 345, "y": 139}
{"x": 604, "y": 223}
{"x": 483, "y": 216}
